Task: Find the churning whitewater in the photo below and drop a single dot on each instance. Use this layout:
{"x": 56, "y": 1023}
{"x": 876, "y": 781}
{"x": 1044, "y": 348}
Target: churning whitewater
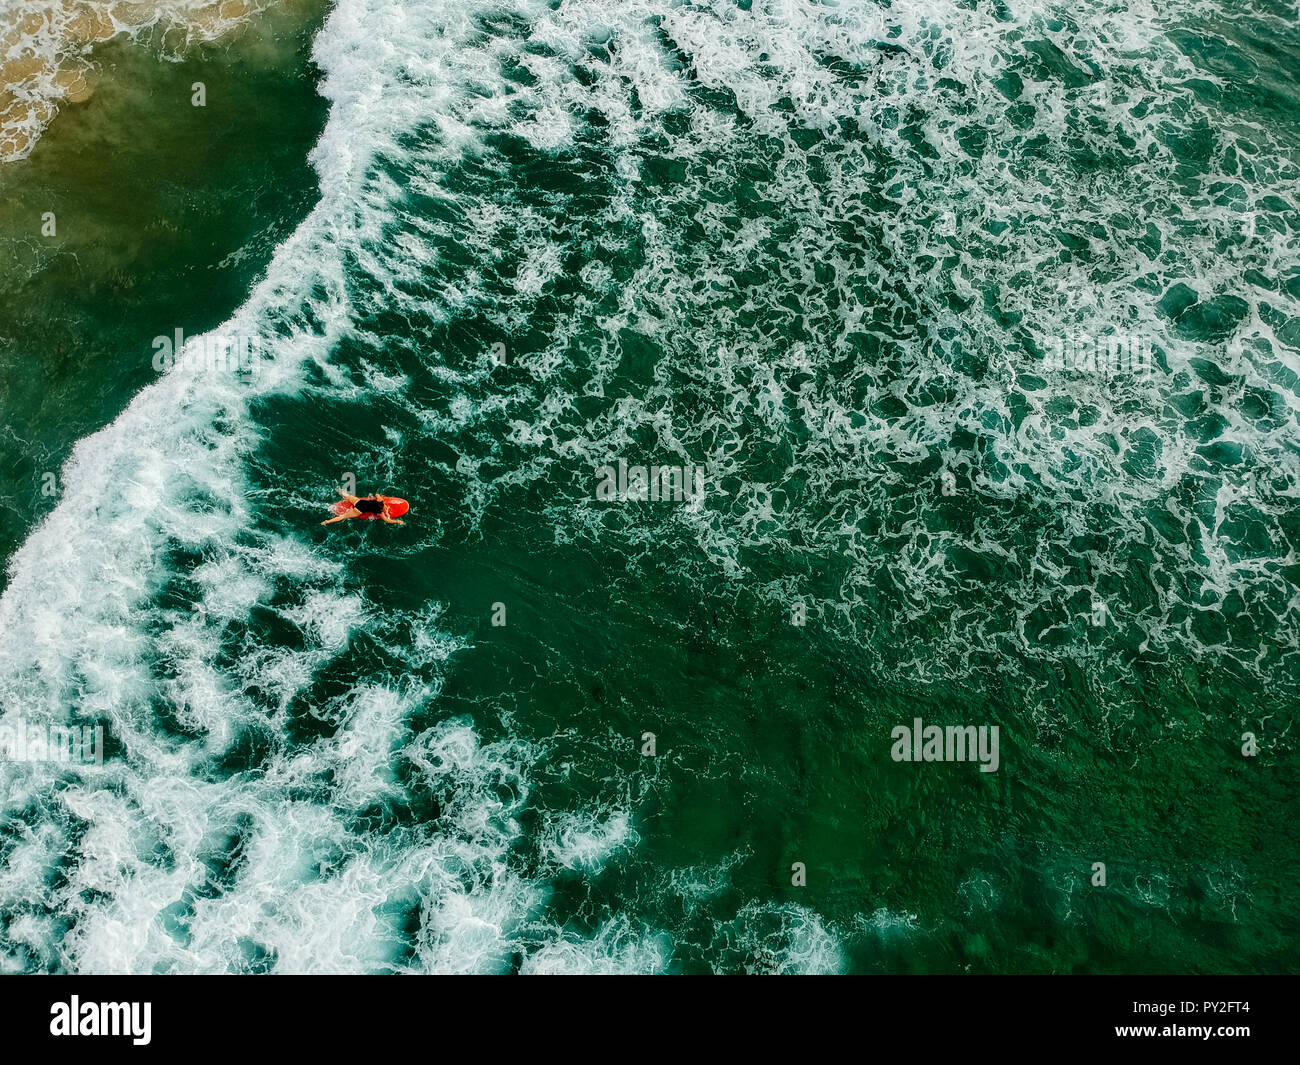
{"x": 821, "y": 257}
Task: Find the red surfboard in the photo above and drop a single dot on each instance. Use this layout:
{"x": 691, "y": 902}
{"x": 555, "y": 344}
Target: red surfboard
{"x": 396, "y": 508}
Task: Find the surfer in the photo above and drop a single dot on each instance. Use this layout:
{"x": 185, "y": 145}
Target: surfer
{"x": 386, "y": 508}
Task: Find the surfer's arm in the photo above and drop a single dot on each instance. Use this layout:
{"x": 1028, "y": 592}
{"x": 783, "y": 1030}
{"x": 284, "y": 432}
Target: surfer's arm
{"x": 391, "y": 521}
{"x": 350, "y": 499}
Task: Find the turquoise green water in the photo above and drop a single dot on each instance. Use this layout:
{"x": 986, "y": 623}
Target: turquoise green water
{"x": 819, "y": 251}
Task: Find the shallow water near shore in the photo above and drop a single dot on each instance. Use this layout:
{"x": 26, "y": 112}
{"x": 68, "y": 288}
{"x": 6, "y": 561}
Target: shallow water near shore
{"x": 164, "y": 214}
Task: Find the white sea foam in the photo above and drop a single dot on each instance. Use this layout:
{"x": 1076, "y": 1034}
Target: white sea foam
{"x": 778, "y": 940}
{"x": 913, "y": 267}
{"x": 618, "y": 947}
{"x": 927, "y": 283}
{"x": 166, "y": 865}
{"x": 584, "y": 842}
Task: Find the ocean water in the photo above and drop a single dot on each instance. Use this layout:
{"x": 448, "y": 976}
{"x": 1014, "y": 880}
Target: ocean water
{"x": 824, "y": 252}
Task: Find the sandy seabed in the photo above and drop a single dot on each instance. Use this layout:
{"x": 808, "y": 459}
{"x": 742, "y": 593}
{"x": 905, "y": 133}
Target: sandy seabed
{"x": 46, "y": 51}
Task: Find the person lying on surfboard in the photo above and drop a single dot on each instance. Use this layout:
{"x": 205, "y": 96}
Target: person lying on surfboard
{"x": 385, "y": 508}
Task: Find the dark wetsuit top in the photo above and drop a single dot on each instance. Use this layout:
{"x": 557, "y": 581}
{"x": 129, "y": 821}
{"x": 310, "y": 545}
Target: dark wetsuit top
{"x": 370, "y": 506}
